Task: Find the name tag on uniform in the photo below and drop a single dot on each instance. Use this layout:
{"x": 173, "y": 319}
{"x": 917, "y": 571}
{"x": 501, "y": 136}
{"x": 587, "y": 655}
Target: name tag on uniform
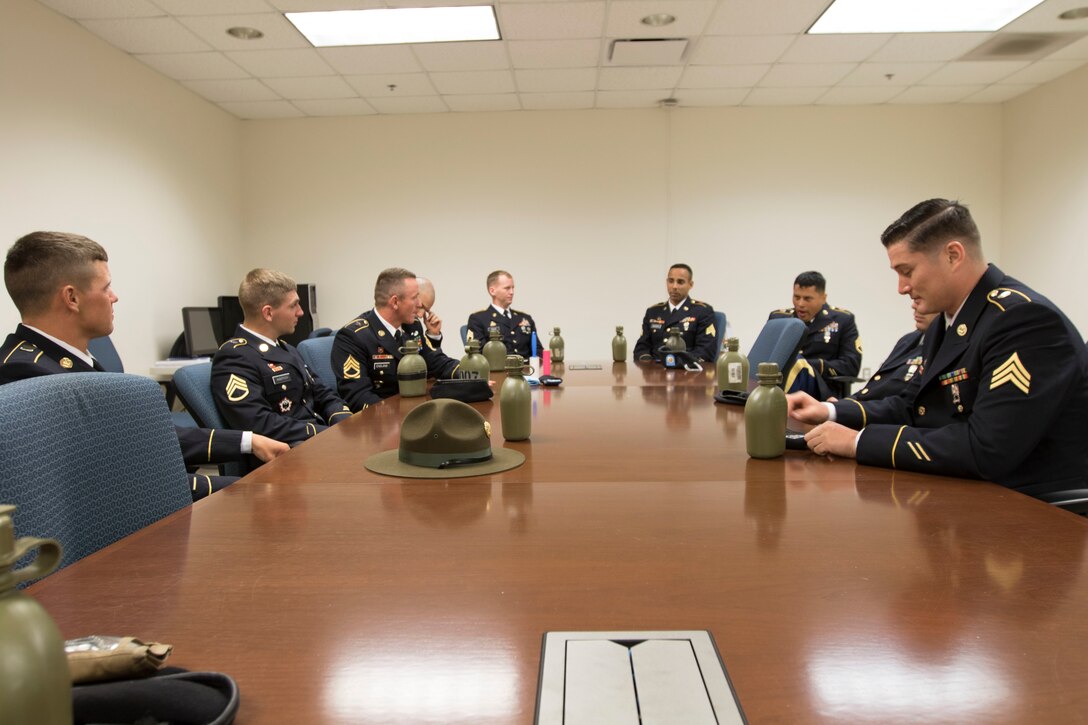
{"x": 281, "y": 378}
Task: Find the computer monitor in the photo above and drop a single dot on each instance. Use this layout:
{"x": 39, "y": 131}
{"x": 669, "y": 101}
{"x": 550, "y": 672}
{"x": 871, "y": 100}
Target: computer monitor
{"x": 230, "y": 315}
{"x": 202, "y": 330}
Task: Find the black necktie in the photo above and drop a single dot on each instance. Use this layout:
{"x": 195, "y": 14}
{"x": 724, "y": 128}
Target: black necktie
{"x": 508, "y": 315}
{"x": 399, "y": 337}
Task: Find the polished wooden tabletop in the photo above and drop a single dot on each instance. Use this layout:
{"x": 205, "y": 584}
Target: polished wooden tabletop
{"x": 835, "y": 592}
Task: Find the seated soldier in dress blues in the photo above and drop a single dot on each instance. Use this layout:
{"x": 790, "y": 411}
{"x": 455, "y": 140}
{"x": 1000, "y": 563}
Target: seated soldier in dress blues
{"x": 260, "y": 381}
{"x": 1002, "y": 393}
{"x": 830, "y": 346}
{"x": 902, "y": 365}
{"x": 61, "y": 285}
{"x": 366, "y": 351}
{"x": 517, "y": 327}
{"x": 695, "y": 319}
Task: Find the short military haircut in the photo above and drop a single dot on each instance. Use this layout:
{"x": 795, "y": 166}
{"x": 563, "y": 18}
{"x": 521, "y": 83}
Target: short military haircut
{"x": 390, "y": 282}
{"x": 812, "y": 278}
{"x": 40, "y": 263}
{"x": 683, "y": 266}
{"x": 931, "y": 224}
{"x": 494, "y": 277}
{"x": 264, "y": 287}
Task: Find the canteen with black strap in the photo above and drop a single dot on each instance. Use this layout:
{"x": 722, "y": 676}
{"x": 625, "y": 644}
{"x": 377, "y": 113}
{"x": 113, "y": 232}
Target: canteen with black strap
{"x": 412, "y": 371}
{"x": 473, "y": 366}
{"x": 495, "y": 350}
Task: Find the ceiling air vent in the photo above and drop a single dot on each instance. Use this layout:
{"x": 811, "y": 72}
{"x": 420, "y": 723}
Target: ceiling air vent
{"x": 647, "y": 51}
{"x": 1021, "y": 46}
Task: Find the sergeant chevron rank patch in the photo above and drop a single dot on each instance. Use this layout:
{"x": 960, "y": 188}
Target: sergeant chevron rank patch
{"x": 1012, "y": 371}
{"x": 351, "y": 368}
{"x": 237, "y": 389}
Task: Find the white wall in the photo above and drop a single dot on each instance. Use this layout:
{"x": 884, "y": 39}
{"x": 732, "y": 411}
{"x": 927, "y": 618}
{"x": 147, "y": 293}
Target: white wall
{"x": 588, "y": 208}
{"x": 1045, "y": 192}
{"x": 94, "y": 142}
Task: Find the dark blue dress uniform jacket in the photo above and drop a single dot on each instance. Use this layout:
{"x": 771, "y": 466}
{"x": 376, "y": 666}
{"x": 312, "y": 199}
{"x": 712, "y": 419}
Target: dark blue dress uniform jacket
{"x": 26, "y": 354}
{"x": 1003, "y": 396}
{"x": 365, "y": 358}
{"x": 271, "y": 391}
{"x": 830, "y": 344}
{"x": 517, "y": 333}
{"x": 893, "y": 375}
{"x": 695, "y": 320}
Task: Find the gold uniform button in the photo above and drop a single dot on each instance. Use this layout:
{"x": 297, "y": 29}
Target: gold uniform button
{"x": 921, "y": 410}
{"x": 864, "y": 391}
{"x": 959, "y": 408}
{"x": 876, "y": 377}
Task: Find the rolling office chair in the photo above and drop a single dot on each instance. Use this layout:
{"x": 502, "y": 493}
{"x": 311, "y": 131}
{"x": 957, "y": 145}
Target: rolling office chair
{"x": 719, "y": 327}
{"x": 317, "y": 354}
{"x": 194, "y": 385}
{"x": 464, "y": 335}
{"x": 778, "y": 342}
{"x": 88, "y": 458}
{"x": 107, "y": 356}
{"x": 1075, "y": 500}
{"x": 319, "y": 332}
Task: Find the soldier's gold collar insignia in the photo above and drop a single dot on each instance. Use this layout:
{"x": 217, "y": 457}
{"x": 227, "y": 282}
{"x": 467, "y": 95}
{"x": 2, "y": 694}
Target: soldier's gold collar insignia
{"x": 263, "y": 347}
{"x": 66, "y": 363}
{"x": 961, "y": 329}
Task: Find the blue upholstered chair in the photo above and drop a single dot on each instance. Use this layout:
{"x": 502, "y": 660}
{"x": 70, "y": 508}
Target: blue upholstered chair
{"x": 88, "y": 458}
{"x": 778, "y": 342}
{"x": 317, "y": 354}
{"x": 107, "y": 356}
{"x": 319, "y": 332}
{"x": 464, "y": 335}
{"x": 194, "y": 386}
{"x": 719, "y": 327}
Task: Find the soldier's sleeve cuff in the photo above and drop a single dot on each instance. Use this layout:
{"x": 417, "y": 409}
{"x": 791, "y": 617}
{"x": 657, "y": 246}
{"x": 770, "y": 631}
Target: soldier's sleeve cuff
{"x": 247, "y": 441}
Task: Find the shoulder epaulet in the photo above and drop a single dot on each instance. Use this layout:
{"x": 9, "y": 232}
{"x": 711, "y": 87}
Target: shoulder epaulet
{"x": 358, "y": 324}
{"x": 783, "y": 311}
{"x": 235, "y": 342}
{"x": 479, "y": 311}
{"x": 843, "y": 309}
{"x": 519, "y": 312}
{"x": 659, "y": 304}
{"x": 1003, "y": 298}
{"x": 24, "y": 346}
{"x": 697, "y": 302}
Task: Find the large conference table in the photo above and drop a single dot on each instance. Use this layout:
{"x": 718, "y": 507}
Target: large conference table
{"x": 834, "y": 592}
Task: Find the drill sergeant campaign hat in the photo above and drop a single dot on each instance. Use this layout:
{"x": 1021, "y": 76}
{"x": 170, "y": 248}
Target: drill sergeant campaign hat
{"x": 444, "y": 438}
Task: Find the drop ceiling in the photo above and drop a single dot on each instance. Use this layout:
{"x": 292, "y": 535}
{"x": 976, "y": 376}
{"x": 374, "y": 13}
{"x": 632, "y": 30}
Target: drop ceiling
{"x": 558, "y": 55}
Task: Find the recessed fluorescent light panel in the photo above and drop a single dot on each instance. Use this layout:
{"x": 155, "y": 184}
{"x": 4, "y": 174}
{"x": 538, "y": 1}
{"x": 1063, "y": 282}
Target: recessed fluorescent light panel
{"x": 397, "y": 25}
{"x": 919, "y": 16}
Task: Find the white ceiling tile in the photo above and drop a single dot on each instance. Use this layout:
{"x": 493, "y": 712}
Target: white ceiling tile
{"x": 214, "y": 7}
{"x": 322, "y": 87}
{"x": 278, "y": 32}
{"x": 364, "y": 60}
{"x": 625, "y": 79}
{"x": 834, "y": 48}
{"x": 232, "y": 90}
{"x": 409, "y": 104}
{"x": 765, "y": 17}
{"x": 693, "y": 98}
{"x": 554, "y": 53}
{"x": 287, "y": 63}
{"x": 739, "y": 49}
{"x": 998, "y": 93}
{"x": 556, "y": 101}
{"x": 558, "y": 20}
{"x": 1044, "y": 18}
{"x": 482, "y": 55}
{"x": 783, "y": 96}
{"x": 935, "y": 94}
{"x": 405, "y": 84}
{"x": 556, "y": 80}
{"x": 484, "y": 102}
{"x": 925, "y": 47}
{"x": 146, "y": 35}
{"x": 194, "y": 66}
{"x": 485, "y": 82}
{"x": 1073, "y": 51}
{"x": 625, "y": 18}
{"x": 629, "y": 99}
{"x": 794, "y": 75}
{"x": 336, "y": 107}
{"x": 876, "y": 74}
{"x": 304, "y": 6}
{"x": 729, "y": 76}
{"x": 262, "y": 109}
{"x": 858, "y": 95}
{"x": 88, "y": 9}
{"x": 974, "y": 72}
{"x": 1042, "y": 71}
